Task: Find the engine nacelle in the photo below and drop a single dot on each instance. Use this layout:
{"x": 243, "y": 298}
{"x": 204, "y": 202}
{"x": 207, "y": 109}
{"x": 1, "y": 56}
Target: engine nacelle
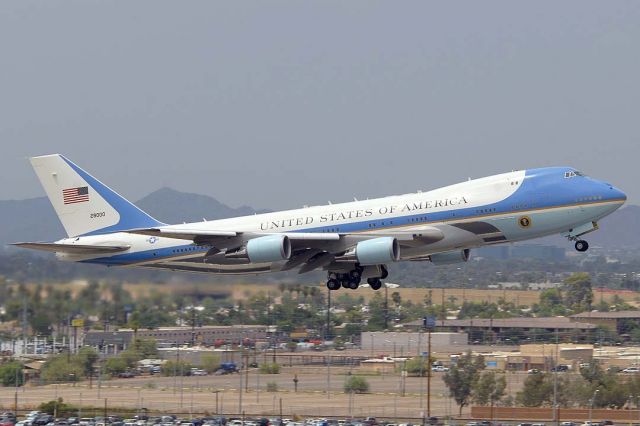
{"x": 270, "y": 248}
{"x": 450, "y": 257}
{"x": 378, "y": 251}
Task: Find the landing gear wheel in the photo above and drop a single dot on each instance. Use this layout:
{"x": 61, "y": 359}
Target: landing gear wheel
{"x": 333, "y": 284}
{"x": 345, "y": 284}
{"x": 385, "y": 272}
{"x": 582, "y": 245}
{"x": 374, "y": 283}
{"x": 353, "y": 285}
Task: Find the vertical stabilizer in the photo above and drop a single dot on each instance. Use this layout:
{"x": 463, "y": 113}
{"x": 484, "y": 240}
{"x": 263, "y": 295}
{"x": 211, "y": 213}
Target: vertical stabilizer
{"x": 85, "y": 205}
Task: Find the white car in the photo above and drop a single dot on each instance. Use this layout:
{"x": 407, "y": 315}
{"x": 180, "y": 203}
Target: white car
{"x": 440, "y": 369}
{"x": 631, "y": 370}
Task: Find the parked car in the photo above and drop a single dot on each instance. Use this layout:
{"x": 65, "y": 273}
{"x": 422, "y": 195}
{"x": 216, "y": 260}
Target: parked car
{"x": 560, "y": 368}
{"x": 631, "y": 370}
{"x": 533, "y": 371}
{"x": 440, "y": 369}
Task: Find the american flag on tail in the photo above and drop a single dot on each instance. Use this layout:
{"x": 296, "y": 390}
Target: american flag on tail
{"x": 75, "y": 195}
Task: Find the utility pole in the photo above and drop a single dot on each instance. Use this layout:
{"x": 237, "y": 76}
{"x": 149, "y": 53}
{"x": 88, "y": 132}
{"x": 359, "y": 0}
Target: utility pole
{"x": 328, "y": 332}
{"x": 429, "y": 372}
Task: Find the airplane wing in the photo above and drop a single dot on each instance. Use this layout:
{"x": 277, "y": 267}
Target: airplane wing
{"x": 421, "y": 234}
{"x": 199, "y": 236}
{"x": 72, "y": 248}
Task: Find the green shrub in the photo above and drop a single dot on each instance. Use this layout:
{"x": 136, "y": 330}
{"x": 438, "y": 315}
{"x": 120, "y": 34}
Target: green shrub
{"x": 58, "y": 408}
{"x": 176, "y": 368}
{"x": 356, "y": 384}
{"x": 210, "y": 363}
{"x": 270, "y": 368}
{"x": 272, "y": 387}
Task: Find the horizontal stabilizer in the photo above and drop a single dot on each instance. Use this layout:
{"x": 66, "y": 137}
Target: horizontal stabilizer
{"x": 72, "y": 248}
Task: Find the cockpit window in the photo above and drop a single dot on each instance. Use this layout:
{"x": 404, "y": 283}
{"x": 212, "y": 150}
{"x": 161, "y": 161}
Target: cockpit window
{"x": 573, "y": 173}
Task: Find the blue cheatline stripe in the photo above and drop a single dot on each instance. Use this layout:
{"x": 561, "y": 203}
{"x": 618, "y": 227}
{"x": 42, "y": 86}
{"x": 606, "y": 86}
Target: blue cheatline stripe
{"x": 146, "y": 255}
{"x": 131, "y": 217}
{"x": 541, "y": 189}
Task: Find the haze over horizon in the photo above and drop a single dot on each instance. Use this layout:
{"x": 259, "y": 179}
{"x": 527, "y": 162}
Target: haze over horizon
{"x": 280, "y": 104}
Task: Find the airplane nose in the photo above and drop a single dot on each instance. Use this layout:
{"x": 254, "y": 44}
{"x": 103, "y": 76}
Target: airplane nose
{"x": 614, "y": 193}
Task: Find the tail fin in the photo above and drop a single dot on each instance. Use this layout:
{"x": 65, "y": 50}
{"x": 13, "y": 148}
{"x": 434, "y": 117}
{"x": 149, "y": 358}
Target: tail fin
{"x": 85, "y": 205}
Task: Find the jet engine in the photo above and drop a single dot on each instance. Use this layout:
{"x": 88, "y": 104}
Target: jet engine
{"x": 378, "y": 251}
{"x": 450, "y": 257}
{"x": 270, "y": 248}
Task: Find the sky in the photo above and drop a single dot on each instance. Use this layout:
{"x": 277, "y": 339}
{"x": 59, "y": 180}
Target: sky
{"x": 279, "y": 104}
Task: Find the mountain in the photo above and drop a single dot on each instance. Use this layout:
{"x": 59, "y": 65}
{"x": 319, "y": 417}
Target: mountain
{"x": 171, "y": 206}
{"x": 35, "y": 220}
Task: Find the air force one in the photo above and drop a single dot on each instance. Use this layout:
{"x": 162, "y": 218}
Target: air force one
{"x": 352, "y": 241}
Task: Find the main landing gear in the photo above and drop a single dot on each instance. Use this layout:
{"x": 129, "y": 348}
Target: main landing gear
{"x": 353, "y": 278}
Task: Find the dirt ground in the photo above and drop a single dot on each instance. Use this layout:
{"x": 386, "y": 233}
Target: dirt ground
{"x": 199, "y": 394}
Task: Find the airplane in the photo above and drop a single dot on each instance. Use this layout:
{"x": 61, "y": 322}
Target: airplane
{"x": 352, "y": 241}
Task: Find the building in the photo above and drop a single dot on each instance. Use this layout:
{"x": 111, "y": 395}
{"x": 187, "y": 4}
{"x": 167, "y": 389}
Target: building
{"x": 398, "y": 344}
{"x": 511, "y": 330}
{"x": 540, "y": 356}
{"x": 115, "y": 341}
{"x": 620, "y": 321}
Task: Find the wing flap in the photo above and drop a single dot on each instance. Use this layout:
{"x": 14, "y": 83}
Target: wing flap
{"x": 72, "y": 248}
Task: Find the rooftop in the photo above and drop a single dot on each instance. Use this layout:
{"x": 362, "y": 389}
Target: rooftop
{"x": 608, "y": 315}
{"x": 542, "y": 322}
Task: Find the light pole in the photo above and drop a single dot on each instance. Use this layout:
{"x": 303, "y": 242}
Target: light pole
{"x": 593, "y": 398}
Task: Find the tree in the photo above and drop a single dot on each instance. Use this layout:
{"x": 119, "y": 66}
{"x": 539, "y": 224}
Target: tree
{"x": 462, "y": 377}
{"x": 578, "y": 292}
{"x": 356, "y": 384}
{"x": 63, "y": 369}
{"x": 396, "y": 298}
{"x": 10, "y": 373}
{"x": 376, "y": 313}
{"x": 115, "y": 365}
{"x": 489, "y": 389}
{"x": 87, "y": 357}
{"x": 537, "y": 390}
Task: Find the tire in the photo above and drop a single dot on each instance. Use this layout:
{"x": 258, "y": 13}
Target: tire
{"x": 385, "y": 272}
{"x": 353, "y": 285}
{"x": 582, "y": 245}
{"x": 333, "y": 284}
{"x": 374, "y": 283}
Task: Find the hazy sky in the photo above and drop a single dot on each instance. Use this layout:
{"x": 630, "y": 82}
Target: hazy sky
{"x": 277, "y": 104}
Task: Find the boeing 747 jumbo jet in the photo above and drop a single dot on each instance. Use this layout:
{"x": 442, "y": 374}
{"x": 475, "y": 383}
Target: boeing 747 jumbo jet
{"x": 351, "y": 241}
